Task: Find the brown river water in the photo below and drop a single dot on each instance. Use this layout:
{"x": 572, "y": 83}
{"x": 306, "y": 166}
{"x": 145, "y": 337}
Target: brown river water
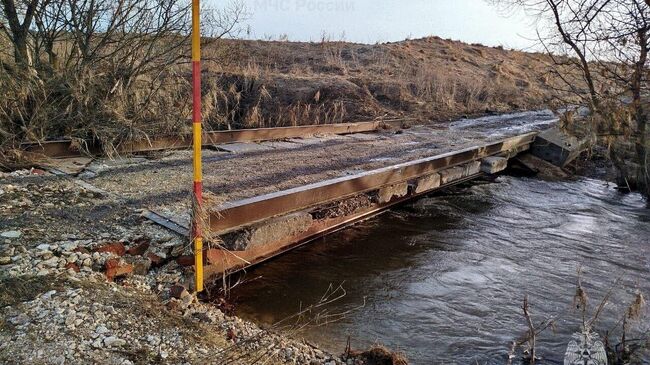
{"x": 443, "y": 278}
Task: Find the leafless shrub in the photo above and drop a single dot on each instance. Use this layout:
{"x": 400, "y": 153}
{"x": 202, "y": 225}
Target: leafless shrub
{"x": 108, "y": 70}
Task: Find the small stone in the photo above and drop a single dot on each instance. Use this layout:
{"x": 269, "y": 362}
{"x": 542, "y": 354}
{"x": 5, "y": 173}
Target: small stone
{"x": 11, "y": 234}
{"x": 101, "y": 329}
{"x": 97, "y": 343}
{"x": 68, "y": 246}
{"x": 6, "y": 260}
{"x": 178, "y": 292}
{"x": 72, "y": 266}
{"x": 81, "y": 250}
{"x": 139, "y": 249}
{"x": 48, "y": 295}
{"x": 155, "y": 259}
{"x": 113, "y": 341}
{"x": 187, "y": 299}
{"x": 141, "y": 265}
{"x": 177, "y": 250}
{"x": 9, "y": 251}
{"x": 51, "y": 262}
{"x": 153, "y": 340}
{"x": 185, "y": 261}
{"x": 69, "y": 320}
{"x": 43, "y": 247}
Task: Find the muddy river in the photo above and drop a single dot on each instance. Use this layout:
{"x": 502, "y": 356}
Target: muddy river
{"x": 442, "y": 279}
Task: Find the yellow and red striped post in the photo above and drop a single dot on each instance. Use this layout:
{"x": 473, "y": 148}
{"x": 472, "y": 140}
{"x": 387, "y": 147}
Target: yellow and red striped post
{"x": 196, "y": 133}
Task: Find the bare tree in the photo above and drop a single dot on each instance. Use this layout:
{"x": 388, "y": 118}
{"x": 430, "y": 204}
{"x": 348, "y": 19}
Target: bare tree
{"x": 13, "y": 11}
{"x": 607, "y": 42}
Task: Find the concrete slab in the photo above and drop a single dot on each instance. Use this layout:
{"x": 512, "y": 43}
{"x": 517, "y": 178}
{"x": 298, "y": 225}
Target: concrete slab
{"x": 493, "y": 164}
{"x": 452, "y": 174}
{"x": 393, "y": 191}
{"x": 472, "y": 168}
{"x": 268, "y": 232}
{"x": 382, "y": 159}
{"x": 281, "y": 145}
{"x": 306, "y": 140}
{"x": 333, "y": 137}
{"x": 426, "y": 183}
{"x": 556, "y": 147}
{"x": 364, "y": 136}
{"x": 70, "y": 166}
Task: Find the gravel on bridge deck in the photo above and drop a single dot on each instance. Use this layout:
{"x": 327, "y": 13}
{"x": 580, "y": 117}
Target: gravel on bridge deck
{"x": 162, "y": 182}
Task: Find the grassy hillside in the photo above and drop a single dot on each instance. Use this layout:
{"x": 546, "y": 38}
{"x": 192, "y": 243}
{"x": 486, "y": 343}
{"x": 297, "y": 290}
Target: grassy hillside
{"x": 286, "y": 83}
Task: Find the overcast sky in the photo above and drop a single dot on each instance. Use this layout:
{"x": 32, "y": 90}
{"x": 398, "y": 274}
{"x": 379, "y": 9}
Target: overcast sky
{"x": 370, "y": 21}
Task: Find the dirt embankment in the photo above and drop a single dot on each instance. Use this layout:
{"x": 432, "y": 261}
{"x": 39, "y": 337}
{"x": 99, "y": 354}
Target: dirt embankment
{"x": 290, "y": 83}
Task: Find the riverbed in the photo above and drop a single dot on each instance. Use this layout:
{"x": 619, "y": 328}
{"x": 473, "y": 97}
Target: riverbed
{"x": 442, "y": 279}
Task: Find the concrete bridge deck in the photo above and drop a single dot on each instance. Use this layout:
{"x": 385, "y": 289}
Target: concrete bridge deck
{"x": 236, "y": 174}
{"x": 162, "y": 181}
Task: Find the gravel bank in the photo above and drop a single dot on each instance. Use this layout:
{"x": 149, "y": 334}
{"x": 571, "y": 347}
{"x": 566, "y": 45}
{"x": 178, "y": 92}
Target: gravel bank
{"x": 60, "y": 246}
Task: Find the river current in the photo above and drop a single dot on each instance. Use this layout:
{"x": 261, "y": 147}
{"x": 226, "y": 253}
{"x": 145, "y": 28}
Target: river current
{"x": 442, "y": 278}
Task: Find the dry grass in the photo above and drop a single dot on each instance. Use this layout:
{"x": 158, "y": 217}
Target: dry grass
{"x": 248, "y": 84}
{"x": 431, "y": 78}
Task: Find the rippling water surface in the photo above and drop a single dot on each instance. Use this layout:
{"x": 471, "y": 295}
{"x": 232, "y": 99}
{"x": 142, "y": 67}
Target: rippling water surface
{"x": 443, "y": 278}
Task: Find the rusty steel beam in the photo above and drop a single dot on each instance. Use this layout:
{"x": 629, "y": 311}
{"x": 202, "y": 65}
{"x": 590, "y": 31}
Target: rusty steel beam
{"x": 252, "y": 135}
{"x": 66, "y": 148}
{"x": 57, "y": 149}
{"x": 230, "y": 216}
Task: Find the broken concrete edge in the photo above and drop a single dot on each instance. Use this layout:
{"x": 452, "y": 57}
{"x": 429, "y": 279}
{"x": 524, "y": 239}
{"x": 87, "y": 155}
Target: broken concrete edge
{"x": 493, "y": 164}
{"x": 220, "y": 261}
{"x": 541, "y": 167}
{"x": 294, "y": 225}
